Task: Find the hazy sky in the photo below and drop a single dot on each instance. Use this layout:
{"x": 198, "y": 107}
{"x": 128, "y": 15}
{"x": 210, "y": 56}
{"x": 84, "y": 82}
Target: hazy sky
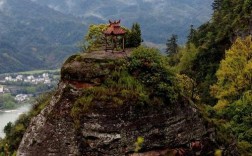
{"x": 1, "y": 4}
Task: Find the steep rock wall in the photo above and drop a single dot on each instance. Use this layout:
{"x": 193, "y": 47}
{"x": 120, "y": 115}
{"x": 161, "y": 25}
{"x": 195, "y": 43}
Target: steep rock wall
{"x": 107, "y": 129}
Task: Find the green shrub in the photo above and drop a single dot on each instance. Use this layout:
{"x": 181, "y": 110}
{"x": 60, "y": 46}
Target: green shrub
{"x": 150, "y": 68}
{"x": 245, "y": 148}
{"x": 81, "y": 106}
{"x": 7, "y": 101}
{"x": 138, "y": 144}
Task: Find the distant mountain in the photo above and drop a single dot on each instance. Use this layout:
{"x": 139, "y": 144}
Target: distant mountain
{"x": 158, "y": 18}
{"x": 37, "y": 34}
{"x": 33, "y": 36}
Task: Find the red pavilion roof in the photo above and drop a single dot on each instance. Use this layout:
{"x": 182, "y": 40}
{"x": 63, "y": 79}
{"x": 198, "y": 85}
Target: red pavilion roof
{"x": 114, "y": 28}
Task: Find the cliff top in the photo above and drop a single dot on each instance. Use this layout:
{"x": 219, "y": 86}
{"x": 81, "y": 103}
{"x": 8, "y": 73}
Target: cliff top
{"x": 101, "y": 54}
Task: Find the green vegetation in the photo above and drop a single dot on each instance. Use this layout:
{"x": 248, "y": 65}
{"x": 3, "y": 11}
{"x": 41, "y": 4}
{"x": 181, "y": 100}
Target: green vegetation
{"x": 182, "y": 63}
{"x": 139, "y": 142}
{"x": 172, "y": 45}
{"x": 234, "y": 76}
{"x": 220, "y": 79}
{"x": 35, "y": 89}
{"x": 7, "y": 101}
{"x": 95, "y": 39}
{"x": 230, "y": 19}
{"x": 153, "y": 71}
{"x": 134, "y": 36}
{"x": 15, "y": 131}
{"x": 234, "y": 92}
{"x": 42, "y": 41}
{"x": 46, "y": 36}
{"x": 144, "y": 79}
{"x": 216, "y": 80}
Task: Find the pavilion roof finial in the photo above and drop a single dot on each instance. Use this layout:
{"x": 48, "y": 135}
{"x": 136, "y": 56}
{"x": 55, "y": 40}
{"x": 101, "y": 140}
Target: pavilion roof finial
{"x": 114, "y": 28}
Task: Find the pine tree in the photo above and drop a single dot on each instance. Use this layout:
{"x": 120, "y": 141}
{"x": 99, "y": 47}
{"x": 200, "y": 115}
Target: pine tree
{"x": 191, "y": 35}
{"x": 137, "y": 30}
{"x": 216, "y": 4}
{"x": 134, "y": 38}
{"x": 171, "y": 45}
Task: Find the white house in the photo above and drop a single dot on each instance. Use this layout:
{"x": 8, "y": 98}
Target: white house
{"x": 8, "y": 78}
{"x": 47, "y": 81}
{"x": 31, "y": 77}
{"x": 21, "y": 97}
{"x": 19, "y": 78}
{"x": 1, "y": 89}
{"x": 45, "y": 75}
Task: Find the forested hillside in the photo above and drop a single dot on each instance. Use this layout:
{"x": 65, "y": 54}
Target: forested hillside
{"x": 34, "y": 36}
{"x": 231, "y": 19}
{"x": 218, "y": 59}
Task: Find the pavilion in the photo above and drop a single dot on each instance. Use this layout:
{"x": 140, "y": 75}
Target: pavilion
{"x": 114, "y": 31}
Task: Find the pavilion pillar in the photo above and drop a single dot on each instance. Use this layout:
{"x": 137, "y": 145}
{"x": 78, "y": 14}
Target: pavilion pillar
{"x": 106, "y": 43}
{"x": 115, "y": 42}
{"x": 123, "y": 45}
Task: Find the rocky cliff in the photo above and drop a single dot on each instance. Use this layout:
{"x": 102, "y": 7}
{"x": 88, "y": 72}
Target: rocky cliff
{"x": 95, "y": 112}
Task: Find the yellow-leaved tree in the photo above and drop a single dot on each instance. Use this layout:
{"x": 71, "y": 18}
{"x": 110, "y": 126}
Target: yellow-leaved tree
{"x": 94, "y": 38}
{"x": 234, "y": 74}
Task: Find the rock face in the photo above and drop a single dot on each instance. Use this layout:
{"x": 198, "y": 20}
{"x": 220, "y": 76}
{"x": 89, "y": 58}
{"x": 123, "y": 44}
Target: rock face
{"x": 46, "y": 136}
{"x": 106, "y": 130}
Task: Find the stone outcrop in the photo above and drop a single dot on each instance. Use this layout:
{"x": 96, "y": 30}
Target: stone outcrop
{"x": 106, "y": 130}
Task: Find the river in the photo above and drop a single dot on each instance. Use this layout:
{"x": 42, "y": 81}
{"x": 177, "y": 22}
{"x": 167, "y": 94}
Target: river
{"x": 11, "y": 116}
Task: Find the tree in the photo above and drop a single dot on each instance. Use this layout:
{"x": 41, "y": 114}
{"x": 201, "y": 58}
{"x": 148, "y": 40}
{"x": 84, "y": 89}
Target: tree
{"x": 151, "y": 68}
{"x": 235, "y": 73}
{"x": 234, "y": 93}
{"x": 7, "y": 128}
{"x": 216, "y": 5}
{"x": 7, "y": 101}
{"x": 171, "y": 45}
{"x": 134, "y": 38}
{"x": 94, "y": 38}
{"x": 191, "y": 35}
{"x": 187, "y": 57}
{"x": 214, "y": 37}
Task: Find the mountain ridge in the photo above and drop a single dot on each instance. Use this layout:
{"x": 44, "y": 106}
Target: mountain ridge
{"x": 155, "y": 16}
{"x": 34, "y": 36}
{"x": 39, "y": 34}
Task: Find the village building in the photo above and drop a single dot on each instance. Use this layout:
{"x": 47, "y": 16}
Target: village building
{"x": 1, "y": 89}
{"x": 30, "y": 77}
{"x": 8, "y": 78}
{"x": 47, "y": 81}
{"x": 41, "y": 79}
{"x": 22, "y": 97}
{"x": 19, "y": 78}
{"x": 45, "y": 75}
